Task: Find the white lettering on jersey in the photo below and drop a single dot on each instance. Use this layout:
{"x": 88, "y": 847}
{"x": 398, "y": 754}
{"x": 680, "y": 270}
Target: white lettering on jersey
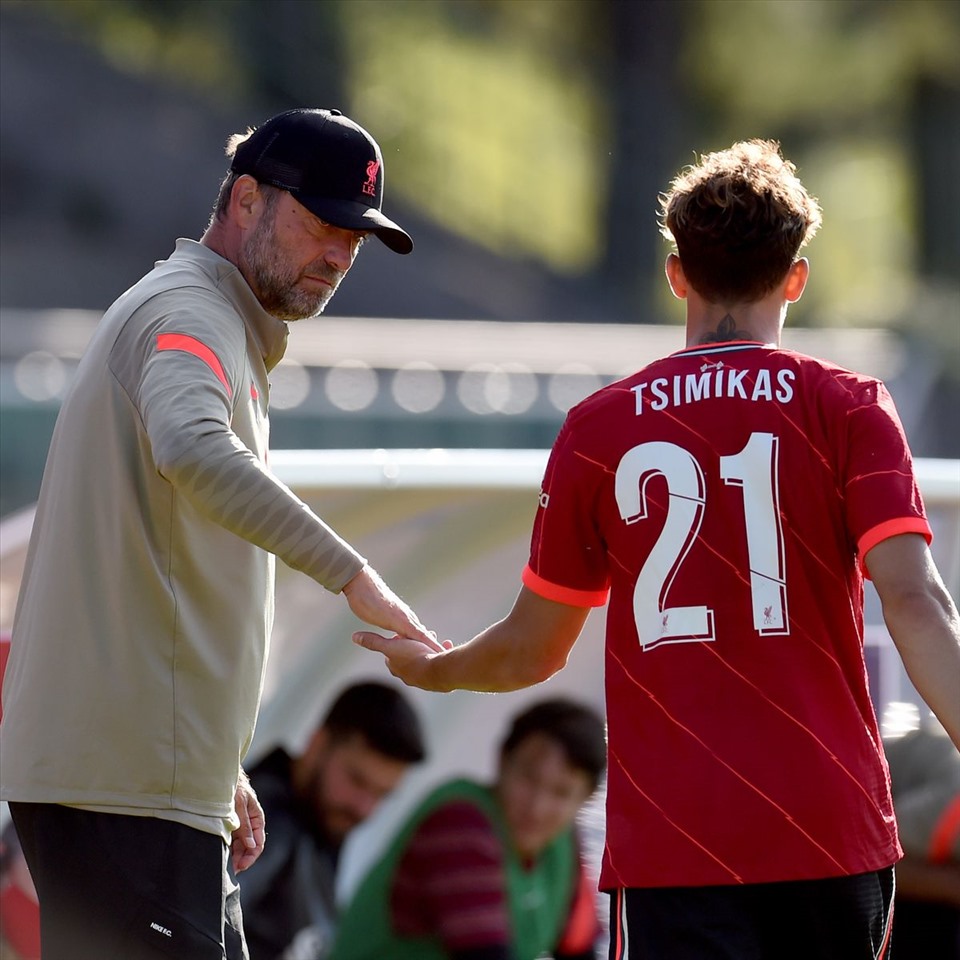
{"x": 785, "y": 380}
{"x": 761, "y": 386}
{"x": 710, "y": 382}
{"x": 698, "y": 387}
{"x": 735, "y": 384}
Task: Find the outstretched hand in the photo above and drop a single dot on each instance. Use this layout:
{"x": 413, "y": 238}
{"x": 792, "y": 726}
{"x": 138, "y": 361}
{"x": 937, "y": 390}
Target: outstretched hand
{"x": 407, "y": 659}
{"x": 375, "y": 603}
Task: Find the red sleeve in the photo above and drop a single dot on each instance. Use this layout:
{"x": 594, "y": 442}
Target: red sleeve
{"x": 881, "y": 495}
{"x": 568, "y": 560}
{"x": 451, "y": 882}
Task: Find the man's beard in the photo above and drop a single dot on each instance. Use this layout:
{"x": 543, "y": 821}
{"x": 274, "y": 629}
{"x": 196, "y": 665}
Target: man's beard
{"x": 274, "y": 280}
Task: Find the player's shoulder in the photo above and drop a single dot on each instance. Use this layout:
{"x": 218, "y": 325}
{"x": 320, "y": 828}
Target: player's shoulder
{"x": 600, "y": 401}
{"x": 830, "y": 379}
{"x": 820, "y": 365}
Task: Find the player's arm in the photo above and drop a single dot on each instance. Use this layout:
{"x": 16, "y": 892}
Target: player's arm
{"x": 528, "y": 646}
{"x": 922, "y": 620}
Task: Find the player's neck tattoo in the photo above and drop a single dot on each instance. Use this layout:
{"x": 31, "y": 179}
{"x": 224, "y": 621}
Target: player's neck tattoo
{"x": 727, "y": 330}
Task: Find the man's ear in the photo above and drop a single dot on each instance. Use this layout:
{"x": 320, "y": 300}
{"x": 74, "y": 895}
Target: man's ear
{"x": 797, "y": 277}
{"x": 246, "y": 201}
{"x": 675, "y": 276}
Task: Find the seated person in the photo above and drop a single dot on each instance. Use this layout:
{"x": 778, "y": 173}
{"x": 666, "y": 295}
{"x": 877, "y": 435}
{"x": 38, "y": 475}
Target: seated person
{"x": 311, "y": 802}
{"x": 491, "y": 872}
{"x": 925, "y": 777}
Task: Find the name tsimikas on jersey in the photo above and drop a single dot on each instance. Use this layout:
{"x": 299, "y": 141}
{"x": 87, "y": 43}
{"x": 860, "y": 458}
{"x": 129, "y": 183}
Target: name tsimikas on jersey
{"x": 714, "y": 381}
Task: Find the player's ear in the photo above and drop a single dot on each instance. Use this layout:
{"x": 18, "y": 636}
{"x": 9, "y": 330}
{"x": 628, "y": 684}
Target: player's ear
{"x": 675, "y": 276}
{"x": 797, "y": 277}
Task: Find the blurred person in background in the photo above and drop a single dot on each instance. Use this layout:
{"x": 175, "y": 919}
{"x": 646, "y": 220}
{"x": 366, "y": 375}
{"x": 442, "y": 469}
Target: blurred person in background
{"x": 19, "y": 910}
{"x": 494, "y": 872}
{"x": 146, "y": 603}
{"x": 925, "y": 774}
{"x": 355, "y": 758}
{"x": 728, "y": 500}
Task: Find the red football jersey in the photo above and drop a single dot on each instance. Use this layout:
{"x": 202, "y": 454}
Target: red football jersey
{"x": 723, "y": 497}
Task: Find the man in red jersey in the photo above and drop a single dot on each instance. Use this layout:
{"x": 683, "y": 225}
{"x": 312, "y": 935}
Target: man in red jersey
{"x": 729, "y": 499}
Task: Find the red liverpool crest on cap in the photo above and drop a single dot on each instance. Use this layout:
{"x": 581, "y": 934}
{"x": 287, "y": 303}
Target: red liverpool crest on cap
{"x": 370, "y": 187}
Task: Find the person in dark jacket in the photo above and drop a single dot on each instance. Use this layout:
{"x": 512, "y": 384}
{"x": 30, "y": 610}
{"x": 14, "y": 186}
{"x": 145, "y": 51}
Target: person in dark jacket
{"x": 357, "y": 755}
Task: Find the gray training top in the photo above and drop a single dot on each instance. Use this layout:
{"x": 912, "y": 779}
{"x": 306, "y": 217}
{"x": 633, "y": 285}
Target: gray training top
{"x": 143, "y": 619}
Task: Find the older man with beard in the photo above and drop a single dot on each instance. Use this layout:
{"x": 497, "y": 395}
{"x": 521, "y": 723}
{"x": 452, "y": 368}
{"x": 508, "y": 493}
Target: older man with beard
{"x": 147, "y": 599}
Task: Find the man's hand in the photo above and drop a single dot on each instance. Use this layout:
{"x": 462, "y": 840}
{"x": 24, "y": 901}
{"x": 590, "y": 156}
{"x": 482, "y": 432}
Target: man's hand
{"x": 250, "y": 836}
{"x": 528, "y": 646}
{"x": 408, "y": 660}
{"x": 375, "y": 603}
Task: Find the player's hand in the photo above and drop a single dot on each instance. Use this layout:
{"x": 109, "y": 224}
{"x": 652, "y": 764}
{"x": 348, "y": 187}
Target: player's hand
{"x": 375, "y": 603}
{"x": 249, "y": 838}
{"x": 408, "y": 660}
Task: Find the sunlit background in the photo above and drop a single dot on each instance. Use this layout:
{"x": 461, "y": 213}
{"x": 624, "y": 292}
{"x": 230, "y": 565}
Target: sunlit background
{"x": 540, "y": 130}
{"x": 525, "y": 143}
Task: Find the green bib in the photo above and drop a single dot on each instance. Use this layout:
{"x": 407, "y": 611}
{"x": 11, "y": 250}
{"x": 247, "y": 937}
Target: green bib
{"x": 539, "y": 897}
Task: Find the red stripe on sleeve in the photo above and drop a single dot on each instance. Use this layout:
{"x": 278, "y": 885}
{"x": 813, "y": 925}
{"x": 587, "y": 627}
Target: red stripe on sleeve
{"x": 891, "y": 528}
{"x": 567, "y": 595}
{"x": 180, "y": 341}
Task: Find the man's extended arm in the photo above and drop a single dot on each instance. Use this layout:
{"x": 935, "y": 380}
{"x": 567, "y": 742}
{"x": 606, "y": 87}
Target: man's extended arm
{"x": 528, "y": 646}
{"x": 187, "y": 419}
{"x": 923, "y": 622}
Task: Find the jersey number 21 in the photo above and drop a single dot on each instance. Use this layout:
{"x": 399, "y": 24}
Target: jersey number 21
{"x": 755, "y": 470}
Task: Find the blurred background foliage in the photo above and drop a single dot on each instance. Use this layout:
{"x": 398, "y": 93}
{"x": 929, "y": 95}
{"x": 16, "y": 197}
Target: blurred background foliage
{"x": 543, "y": 129}
{"x": 525, "y": 142}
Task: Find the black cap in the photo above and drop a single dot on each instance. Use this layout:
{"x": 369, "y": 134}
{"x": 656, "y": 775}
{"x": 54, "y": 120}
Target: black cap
{"x": 329, "y": 164}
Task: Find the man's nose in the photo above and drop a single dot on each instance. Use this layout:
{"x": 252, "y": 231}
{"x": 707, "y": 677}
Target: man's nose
{"x": 541, "y": 805}
{"x": 341, "y": 250}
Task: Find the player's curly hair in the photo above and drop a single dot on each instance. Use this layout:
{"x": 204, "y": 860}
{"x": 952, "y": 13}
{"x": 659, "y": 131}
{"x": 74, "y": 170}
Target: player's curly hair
{"x": 738, "y": 219}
